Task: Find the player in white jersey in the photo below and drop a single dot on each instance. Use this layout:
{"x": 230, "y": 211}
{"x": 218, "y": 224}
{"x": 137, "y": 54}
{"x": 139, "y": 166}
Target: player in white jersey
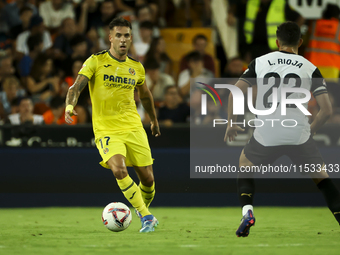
{"x": 282, "y": 69}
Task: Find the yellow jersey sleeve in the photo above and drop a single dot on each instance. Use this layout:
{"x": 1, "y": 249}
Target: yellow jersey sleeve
{"x": 141, "y": 79}
{"x": 89, "y": 67}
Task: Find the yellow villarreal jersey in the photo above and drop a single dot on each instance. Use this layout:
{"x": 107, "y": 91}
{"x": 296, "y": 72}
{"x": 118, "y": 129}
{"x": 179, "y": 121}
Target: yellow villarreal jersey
{"x": 111, "y": 84}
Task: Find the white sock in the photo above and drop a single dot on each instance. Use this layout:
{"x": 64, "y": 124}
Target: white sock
{"x": 246, "y": 208}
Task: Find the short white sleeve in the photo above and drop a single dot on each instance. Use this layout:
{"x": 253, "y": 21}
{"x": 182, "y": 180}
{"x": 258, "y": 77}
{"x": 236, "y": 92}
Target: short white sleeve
{"x": 183, "y": 78}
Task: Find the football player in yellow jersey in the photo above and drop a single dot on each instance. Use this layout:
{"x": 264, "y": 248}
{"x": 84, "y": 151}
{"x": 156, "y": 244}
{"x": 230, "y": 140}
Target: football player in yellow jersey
{"x": 120, "y": 137}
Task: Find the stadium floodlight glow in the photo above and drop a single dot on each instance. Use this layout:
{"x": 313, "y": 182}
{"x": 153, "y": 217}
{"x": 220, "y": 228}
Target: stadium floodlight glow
{"x": 238, "y": 100}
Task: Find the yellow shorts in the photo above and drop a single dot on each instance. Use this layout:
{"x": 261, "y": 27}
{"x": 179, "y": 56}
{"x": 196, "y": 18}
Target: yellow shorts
{"x": 133, "y": 145}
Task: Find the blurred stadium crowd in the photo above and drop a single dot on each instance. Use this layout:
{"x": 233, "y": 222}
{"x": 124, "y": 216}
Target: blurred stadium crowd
{"x": 44, "y": 43}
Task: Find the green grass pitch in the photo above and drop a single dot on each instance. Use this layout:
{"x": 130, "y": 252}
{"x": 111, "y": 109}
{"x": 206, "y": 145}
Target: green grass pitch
{"x": 288, "y": 230}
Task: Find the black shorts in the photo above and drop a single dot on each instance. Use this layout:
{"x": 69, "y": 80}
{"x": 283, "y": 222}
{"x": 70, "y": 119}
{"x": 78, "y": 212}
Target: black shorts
{"x": 306, "y": 153}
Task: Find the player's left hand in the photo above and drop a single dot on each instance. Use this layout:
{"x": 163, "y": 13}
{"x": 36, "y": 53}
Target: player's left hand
{"x": 231, "y": 132}
{"x": 155, "y": 129}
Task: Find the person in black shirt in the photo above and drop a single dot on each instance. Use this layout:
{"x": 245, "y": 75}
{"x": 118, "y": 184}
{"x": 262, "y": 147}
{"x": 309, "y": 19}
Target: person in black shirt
{"x": 173, "y": 110}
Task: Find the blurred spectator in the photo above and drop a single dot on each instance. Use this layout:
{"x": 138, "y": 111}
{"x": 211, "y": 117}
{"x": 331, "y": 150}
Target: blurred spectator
{"x": 146, "y": 35}
{"x": 81, "y": 14}
{"x": 108, "y": 11}
{"x": 6, "y": 66}
{"x": 11, "y": 90}
{"x": 196, "y": 70}
{"x": 97, "y": 25}
{"x": 155, "y": 80}
{"x": 93, "y": 37}
{"x": 127, "y": 5}
{"x": 257, "y": 24}
{"x": 36, "y": 27}
{"x": 107, "y": 14}
{"x": 69, "y": 80}
{"x": 12, "y": 12}
{"x": 98, "y": 32}
{"x": 195, "y": 107}
{"x": 199, "y": 43}
{"x": 157, "y": 51}
{"x": 5, "y": 42}
{"x": 143, "y": 13}
{"x": 56, "y": 115}
{"x": 104, "y": 40}
{"x": 215, "y": 111}
{"x": 15, "y": 105}
{"x": 234, "y": 68}
{"x": 173, "y": 110}
{"x": 87, "y": 13}
{"x": 26, "y": 14}
{"x": 62, "y": 47}
{"x": 54, "y": 12}
{"x": 41, "y": 83}
{"x": 4, "y": 27}
{"x": 80, "y": 49}
{"x": 25, "y": 114}
{"x": 206, "y": 20}
{"x": 2, "y": 114}
{"x": 324, "y": 39}
{"x": 35, "y": 47}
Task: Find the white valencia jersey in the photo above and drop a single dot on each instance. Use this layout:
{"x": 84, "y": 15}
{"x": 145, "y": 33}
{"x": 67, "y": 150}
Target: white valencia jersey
{"x": 282, "y": 69}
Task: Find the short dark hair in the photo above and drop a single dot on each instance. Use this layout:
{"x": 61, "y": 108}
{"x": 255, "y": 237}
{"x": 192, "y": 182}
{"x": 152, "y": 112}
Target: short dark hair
{"x": 77, "y": 39}
{"x": 331, "y": 11}
{"x": 16, "y": 101}
{"x": 199, "y": 36}
{"x": 167, "y": 88}
{"x": 140, "y": 7}
{"x": 288, "y": 33}
{"x": 194, "y": 56}
{"x": 36, "y": 20}
{"x": 25, "y": 8}
{"x": 151, "y": 64}
{"x": 119, "y": 22}
{"x": 146, "y": 24}
{"x": 34, "y": 40}
{"x": 24, "y": 98}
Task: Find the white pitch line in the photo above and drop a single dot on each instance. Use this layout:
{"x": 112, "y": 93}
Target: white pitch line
{"x": 251, "y": 245}
{"x": 293, "y": 244}
{"x": 189, "y": 245}
{"x": 96, "y": 245}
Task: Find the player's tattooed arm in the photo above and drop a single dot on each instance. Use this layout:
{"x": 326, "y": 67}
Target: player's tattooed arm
{"x": 148, "y": 104}
{"x": 72, "y": 97}
{"x": 74, "y": 91}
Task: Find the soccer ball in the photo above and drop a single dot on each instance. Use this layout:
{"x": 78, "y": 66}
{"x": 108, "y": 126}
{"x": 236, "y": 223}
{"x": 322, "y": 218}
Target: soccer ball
{"x": 116, "y": 216}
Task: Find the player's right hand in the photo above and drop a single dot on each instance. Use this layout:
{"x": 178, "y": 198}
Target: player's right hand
{"x": 68, "y": 115}
{"x": 155, "y": 129}
{"x": 231, "y": 132}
